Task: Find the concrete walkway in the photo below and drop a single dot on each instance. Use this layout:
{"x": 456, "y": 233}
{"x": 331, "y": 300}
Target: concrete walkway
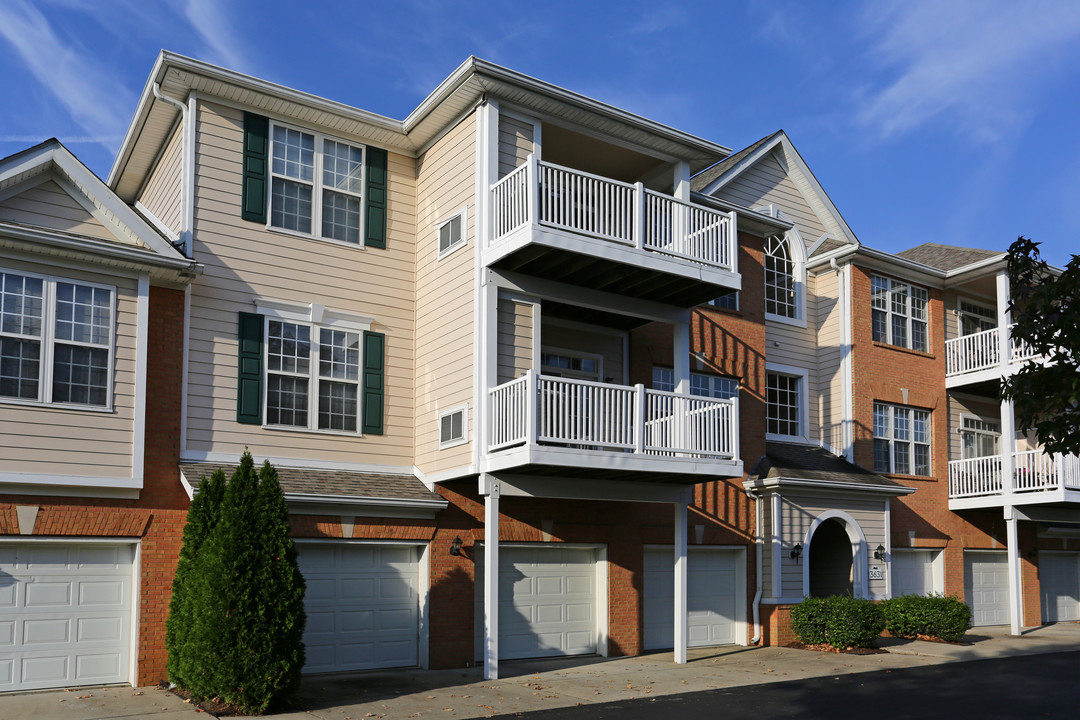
{"x": 546, "y": 684}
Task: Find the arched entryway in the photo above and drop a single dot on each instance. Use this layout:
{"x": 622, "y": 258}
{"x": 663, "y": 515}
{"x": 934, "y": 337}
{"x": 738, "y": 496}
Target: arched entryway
{"x": 835, "y": 557}
{"x": 831, "y": 560}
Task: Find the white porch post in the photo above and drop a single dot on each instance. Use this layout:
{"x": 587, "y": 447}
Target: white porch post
{"x": 680, "y": 582}
{"x": 681, "y": 182}
{"x": 1016, "y": 598}
{"x": 1008, "y": 421}
{"x": 681, "y": 349}
{"x": 489, "y": 488}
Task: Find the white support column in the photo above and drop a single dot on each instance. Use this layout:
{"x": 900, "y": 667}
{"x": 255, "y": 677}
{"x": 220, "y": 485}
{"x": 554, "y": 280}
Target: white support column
{"x": 1016, "y": 597}
{"x": 681, "y": 183}
{"x": 777, "y": 548}
{"x": 680, "y": 582}
{"x": 1008, "y": 422}
{"x": 489, "y": 488}
{"x": 681, "y": 350}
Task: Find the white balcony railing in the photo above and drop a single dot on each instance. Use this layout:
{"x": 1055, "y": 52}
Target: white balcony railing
{"x": 620, "y": 213}
{"x": 540, "y": 409}
{"x": 981, "y": 351}
{"x": 1033, "y": 471}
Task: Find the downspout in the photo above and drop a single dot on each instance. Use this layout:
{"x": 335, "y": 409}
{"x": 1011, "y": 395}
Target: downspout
{"x": 187, "y": 172}
{"x": 759, "y": 540}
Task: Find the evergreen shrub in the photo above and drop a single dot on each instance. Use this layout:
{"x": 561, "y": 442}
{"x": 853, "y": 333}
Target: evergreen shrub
{"x": 839, "y": 621}
{"x": 937, "y": 616}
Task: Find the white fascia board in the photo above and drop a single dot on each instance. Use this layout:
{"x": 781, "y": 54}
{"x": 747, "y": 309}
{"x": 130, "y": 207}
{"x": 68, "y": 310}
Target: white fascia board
{"x": 778, "y": 483}
{"x": 103, "y": 248}
{"x": 433, "y": 504}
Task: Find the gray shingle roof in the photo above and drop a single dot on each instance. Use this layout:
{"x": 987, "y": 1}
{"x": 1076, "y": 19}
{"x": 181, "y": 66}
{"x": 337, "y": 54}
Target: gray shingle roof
{"x": 302, "y": 481}
{"x": 706, "y": 176}
{"x": 829, "y": 245}
{"x": 807, "y": 462}
{"x": 946, "y": 257}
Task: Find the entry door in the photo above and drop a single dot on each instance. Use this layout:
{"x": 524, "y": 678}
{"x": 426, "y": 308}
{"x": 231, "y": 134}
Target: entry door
{"x": 362, "y": 605}
{"x": 65, "y": 614}
{"x": 714, "y": 597}
{"x": 986, "y": 587}
{"x": 1059, "y": 580}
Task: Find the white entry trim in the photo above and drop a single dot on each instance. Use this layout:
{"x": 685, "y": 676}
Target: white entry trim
{"x": 859, "y": 585}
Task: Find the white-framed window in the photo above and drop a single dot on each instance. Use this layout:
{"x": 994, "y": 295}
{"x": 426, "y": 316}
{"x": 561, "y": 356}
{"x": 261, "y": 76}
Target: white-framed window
{"x": 901, "y": 440}
{"x": 727, "y": 301}
{"x": 316, "y": 185}
{"x": 454, "y": 426}
{"x": 56, "y": 340}
{"x": 975, "y": 318}
{"x": 452, "y": 233}
{"x": 979, "y": 437}
{"x": 571, "y": 364}
{"x": 781, "y": 296}
{"x": 899, "y": 313}
{"x": 786, "y": 410}
{"x": 701, "y": 384}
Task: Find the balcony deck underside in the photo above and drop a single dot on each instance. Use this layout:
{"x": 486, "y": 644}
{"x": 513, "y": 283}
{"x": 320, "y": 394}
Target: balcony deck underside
{"x": 1058, "y": 498}
{"x": 598, "y": 265}
{"x": 540, "y": 460}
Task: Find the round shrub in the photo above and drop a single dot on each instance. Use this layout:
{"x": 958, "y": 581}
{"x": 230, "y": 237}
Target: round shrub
{"x": 938, "y": 616}
{"x": 839, "y": 621}
{"x": 808, "y": 621}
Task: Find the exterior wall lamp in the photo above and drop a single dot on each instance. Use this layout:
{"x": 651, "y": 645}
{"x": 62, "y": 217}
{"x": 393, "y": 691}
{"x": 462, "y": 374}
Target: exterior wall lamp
{"x": 879, "y": 553}
{"x": 796, "y": 553}
{"x": 455, "y": 546}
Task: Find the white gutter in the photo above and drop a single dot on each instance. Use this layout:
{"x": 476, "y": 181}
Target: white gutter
{"x": 98, "y": 247}
{"x": 829, "y": 485}
{"x": 759, "y": 540}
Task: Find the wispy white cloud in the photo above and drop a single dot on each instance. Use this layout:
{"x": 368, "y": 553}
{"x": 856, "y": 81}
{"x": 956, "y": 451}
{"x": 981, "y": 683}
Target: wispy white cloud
{"x": 215, "y": 28}
{"x": 86, "y": 90}
{"x": 980, "y": 64}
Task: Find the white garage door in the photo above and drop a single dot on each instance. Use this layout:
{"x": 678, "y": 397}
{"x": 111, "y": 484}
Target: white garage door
{"x": 986, "y": 587}
{"x": 1059, "y": 579}
{"x": 715, "y": 593}
{"x": 362, "y": 605}
{"x": 913, "y": 572}
{"x": 547, "y": 602}
{"x": 65, "y": 614}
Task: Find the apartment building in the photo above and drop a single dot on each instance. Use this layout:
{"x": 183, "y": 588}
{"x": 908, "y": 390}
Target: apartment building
{"x": 541, "y": 377}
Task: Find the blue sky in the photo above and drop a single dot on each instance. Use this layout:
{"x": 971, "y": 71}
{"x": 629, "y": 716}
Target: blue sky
{"x": 924, "y": 120}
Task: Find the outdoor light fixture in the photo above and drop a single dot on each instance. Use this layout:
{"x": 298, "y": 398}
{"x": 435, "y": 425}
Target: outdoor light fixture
{"x": 796, "y": 552}
{"x": 455, "y": 547}
{"x": 879, "y": 554}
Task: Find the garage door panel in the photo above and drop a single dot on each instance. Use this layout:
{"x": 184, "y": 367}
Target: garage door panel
{"x": 45, "y": 671}
{"x": 986, "y": 586}
{"x": 46, "y": 632}
{"x": 712, "y": 586}
{"x": 96, "y": 667}
{"x": 8, "y": 587}
{"x": 7, "y": 673}
{"x": 362, "y": 604}
{"x": 99, "y": 629}
{"x": 1059, "y": 580}
{"x": 101, "y": 592}
{"x": 7, "y": 633}
{"x": 47, "y": 594}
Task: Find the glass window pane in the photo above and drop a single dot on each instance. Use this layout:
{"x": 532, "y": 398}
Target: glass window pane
{"x": 879, "y": 293}
{"x": 901, "y": 423}
{"x": 878, "y": 322}
{"x": 782, "y": 408}
{"x": 337, "y": 406}
{"x": 903, "y": 459}
{"x": 900, "y": 298}
{"x": 339, "y": 354}
{"x": 294, "y": 154}
{"x": 779, "y": 278}
{"x": 918, "y": 336}
{"x": 663, "y": 379}
{"x": 83, "y": 313}
{"x": 921, "y": 426}
{"x": 288, "y": 347}
{"x": 286, "y": 401}
{"x": 20, "y": 368}
{"x": 881, "y": 455}
{"x": 80, "y": 375}
{"x": 20, "y": 305}
{"x": 341, "y": 217}
{"x": 922, "y": 459}
{"x": 343, "y": 167}
{"x": 290, "y": 205}
{"x": 881, "y": 420}
{"x": 899, "y": 330}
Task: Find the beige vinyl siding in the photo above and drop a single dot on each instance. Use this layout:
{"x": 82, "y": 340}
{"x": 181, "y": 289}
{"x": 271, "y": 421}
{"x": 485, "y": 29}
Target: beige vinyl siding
{"x": 515, "y": 143}
{"x": 244, "y": 260}
{"x": 55, "y": 440}
{"x": 161, "y": 195}
{"x": 798, "y": 512}
{"x": 766, "y": 183}
{"x": 556, "y": 336}
{"x": 796, "y": 347}
{"x": 828, "y": 388}
{"x": 767, "y": 548}
{"x": 515, "y": 338}
{"x": 49, "y": 205}
{"x": 967, "y": 405}
{"x": 445, "y": 183}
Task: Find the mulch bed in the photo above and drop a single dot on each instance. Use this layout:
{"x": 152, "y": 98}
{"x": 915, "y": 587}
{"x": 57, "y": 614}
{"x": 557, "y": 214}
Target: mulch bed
{"x": 927, "y": 638}
{"x": 825, "y": 647}
{"x": 213, "y": 708}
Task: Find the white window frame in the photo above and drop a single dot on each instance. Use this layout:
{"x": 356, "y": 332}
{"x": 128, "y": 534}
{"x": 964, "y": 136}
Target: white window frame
{"x": 664, "y": 385}
{"x": 910, "y": 442}
{"x": 961, "y": 313}
{"x": 797, "y": 255}
{"x": 964, "y": 430}
{"x": 568, "y": 372}
{"x": 454, "y": 442}
{"x": 49, "y": 341}
{"x": 909, "y": 318}
{"x": 715, "y": 302}
{"x": 803, "y": 377}
{"x": 316, "y": 185}
{"x": 317, "y": 317}
{"x": 463, "y": 240}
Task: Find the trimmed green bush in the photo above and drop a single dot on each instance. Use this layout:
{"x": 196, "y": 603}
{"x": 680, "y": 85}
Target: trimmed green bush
{"x": 940, "y": 616}
{"x": 839, "y": 621}
{"x": 202, "y": 515}
{"x": 242, "y": 641}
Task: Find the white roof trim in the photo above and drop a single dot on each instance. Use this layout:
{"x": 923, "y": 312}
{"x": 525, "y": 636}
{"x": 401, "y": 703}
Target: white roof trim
{"x": 778, "y": 482}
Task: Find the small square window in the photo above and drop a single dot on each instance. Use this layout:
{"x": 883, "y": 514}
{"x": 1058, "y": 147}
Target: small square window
{"x": 453, "y": 427}
{"x": 452, "y": 234}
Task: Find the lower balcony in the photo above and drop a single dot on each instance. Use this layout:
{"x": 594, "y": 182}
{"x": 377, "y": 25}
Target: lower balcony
{"x": 1036, "y": 478}
{"x": 600, "y": 430}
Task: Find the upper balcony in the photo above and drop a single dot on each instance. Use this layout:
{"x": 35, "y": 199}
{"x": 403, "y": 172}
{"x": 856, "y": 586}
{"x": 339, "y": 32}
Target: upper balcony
{"x": 1036, "y": 478}
{"x": 575, "y": 227}
{"x": 601, "y": 429}
{"x": 977, "y": 357}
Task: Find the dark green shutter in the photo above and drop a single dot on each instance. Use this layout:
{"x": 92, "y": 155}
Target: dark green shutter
{"x": 256, "y": 168}
{"x": 373, "y": 383}
{"x": 375, "y": 199}
{"x": 249, "y": 390}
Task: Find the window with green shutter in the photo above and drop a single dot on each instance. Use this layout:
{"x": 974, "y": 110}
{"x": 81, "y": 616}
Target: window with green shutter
{"x": 373, "y": 382}
{"x": 249, "y": 388}
{"x": 253, "y": 201}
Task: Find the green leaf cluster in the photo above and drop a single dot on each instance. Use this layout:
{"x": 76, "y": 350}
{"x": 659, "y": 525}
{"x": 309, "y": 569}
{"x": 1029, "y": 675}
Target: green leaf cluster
{"x": 237, "y": 615}
{"x": 939, "y": 616}
{"x": 1045, "y": 308}
{"x": 838, "y": 620}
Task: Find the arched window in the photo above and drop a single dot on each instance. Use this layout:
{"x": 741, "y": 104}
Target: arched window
{"x": 780, "y": 290}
